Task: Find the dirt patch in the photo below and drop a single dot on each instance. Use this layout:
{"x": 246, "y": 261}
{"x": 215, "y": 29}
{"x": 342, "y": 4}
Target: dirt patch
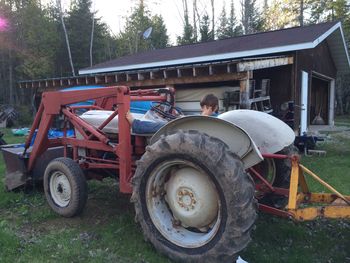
{"x": 105, "y": 203}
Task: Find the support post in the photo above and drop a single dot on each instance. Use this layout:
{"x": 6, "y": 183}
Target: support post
{"x": 124, "y": 150}
{"x": 245, "y": 91}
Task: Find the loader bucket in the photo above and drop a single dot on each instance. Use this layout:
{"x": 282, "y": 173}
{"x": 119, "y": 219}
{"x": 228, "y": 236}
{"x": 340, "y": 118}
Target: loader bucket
{"x": 15, "y": 175}
{"x": 16, "y": 164}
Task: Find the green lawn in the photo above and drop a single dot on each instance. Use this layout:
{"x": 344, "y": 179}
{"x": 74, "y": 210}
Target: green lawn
{"x": 106, "y": 231}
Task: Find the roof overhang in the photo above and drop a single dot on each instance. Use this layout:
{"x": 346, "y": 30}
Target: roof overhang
{"x": 334, "y": 37}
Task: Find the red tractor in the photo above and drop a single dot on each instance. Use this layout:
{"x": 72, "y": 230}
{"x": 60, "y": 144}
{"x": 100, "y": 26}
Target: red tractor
{"x": 191, "y": 182}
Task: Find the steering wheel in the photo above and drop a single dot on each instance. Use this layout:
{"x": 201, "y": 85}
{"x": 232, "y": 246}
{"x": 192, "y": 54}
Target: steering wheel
{"x": 166, "y": 110}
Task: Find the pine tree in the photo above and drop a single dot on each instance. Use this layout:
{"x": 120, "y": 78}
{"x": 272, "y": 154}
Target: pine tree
{"x": 234, "y": 28}
{"x": 204, "y": 29}
{"x": 159, "y": 37}
{"x": 131, "y": 40}
{"x": 223, "y": 30}
{"x": 228, "y": 26}
{"x": 251, "y": 20}
{"x": 188, "y": 32}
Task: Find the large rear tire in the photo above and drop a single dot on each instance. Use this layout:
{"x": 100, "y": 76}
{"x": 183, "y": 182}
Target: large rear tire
{"x": 281, "y": 170}
{"x": 65, "y": 187}
{"x": 193, "y": 199}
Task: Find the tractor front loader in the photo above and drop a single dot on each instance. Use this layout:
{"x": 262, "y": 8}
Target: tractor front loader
{"x": 191, "y": 183}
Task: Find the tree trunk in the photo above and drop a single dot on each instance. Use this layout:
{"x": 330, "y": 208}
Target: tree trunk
{"x": 59, "y": 6}
{"x": 339, "y": 96}
{"x": 301, "y": 15}
{"x": 11, "y": 101}
{"x": 194, "y": 20}
{"x": 92, "y": 38}
{"x": 213, "y": 19}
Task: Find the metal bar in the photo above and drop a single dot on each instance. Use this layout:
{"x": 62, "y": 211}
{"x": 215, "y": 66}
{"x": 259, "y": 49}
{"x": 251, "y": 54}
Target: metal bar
{"x": 80, "y": 129}
{"x": 34, "y": 127}
{"x": 148, "y": 98}
{"x": 100, "y": 160}
{"x": 302, "y": 182}
{"x": 124, "y": 150}
{"x": 94, "y": 107}
{"x": 274, "y": 211}
{"x": 101, "y": 166}
{"x": 41, "y": 141}
{"x": 329, "y": 187}
{"x": 311, "y": 213}
{"x": 108, "y": 120}
{"x": 275, "y": 156}
{"x": 53, "y": 101}
{"x": 323, "y": 197}
{"x": 94, "y": 145}
{"x": 293, "y": 188}
{"x": 261, "y": 178}
{"x": 101, "y": 137}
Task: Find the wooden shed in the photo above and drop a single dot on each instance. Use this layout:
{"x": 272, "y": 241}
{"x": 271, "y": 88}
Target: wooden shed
{"x": 285, "y": 71}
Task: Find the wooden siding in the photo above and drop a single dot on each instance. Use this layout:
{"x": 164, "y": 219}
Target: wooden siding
{"x": 317, "y": 60}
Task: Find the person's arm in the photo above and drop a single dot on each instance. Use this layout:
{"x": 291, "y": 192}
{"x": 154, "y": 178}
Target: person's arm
{"x": 142, "y": 127}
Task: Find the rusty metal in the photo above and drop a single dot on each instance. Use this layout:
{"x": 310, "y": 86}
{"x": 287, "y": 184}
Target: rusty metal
{"x": 91, "y": 140}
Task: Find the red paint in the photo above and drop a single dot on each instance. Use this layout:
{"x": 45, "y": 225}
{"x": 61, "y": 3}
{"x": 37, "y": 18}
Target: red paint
{"x": 94, "y": 141}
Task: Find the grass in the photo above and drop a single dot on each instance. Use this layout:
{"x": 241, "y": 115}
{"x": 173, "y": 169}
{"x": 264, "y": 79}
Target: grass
{"x": 106, "y": 231}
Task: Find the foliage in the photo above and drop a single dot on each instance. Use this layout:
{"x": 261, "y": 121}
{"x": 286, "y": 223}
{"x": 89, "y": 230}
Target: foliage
{"x": 188, "y": 36}
{"x": 32, "y": 44}
{"x": 281, "y": 14}
{"x": 228, "y": 26}
{"x": 250, "y": 17}
{"x": 132, "y": 39}
{"x": 204, "y": 29}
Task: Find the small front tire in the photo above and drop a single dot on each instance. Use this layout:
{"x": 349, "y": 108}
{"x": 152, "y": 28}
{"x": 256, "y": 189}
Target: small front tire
{"x": 65, "y": 187}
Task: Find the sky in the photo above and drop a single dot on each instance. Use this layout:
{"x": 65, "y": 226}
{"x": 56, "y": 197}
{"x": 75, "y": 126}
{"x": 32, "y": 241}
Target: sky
{"x": 113, "y": 12}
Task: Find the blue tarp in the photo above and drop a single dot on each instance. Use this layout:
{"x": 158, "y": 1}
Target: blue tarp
{"x": 135, "y": 106}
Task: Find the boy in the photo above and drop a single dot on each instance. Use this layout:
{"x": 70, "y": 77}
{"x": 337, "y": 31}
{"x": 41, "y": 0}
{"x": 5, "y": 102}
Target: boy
{"x": 209, "y": 105}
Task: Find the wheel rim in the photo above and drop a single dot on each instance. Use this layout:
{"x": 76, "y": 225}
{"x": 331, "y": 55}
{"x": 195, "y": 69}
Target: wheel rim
{"x": 183, "y": 203}
{"x": 60, "y": 189}
{"x": 267, "y": 169}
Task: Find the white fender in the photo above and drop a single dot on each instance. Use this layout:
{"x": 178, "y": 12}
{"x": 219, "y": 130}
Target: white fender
{"x": 238, "y": 141}
{"x": 269, "y": 133}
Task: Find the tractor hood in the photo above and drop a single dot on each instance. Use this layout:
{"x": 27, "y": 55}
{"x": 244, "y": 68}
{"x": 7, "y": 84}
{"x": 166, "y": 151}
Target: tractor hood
{"x": 269, "y": 134}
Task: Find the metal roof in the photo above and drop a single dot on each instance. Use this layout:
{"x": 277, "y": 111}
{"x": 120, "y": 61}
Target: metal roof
{"x": 272, "y": 42}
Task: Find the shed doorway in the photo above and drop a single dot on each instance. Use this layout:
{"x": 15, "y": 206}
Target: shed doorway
{"x": 319, "y": 100}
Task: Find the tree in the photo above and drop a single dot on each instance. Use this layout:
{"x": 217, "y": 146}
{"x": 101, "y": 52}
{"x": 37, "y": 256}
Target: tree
{"x": 234, "y": 28}
{"x": 223, "y": 29}
{"x": 159, "y": 37}
{"x": 205, "y": 33}
{"x": 212, "y": 19}
{"x": 281, "y": 14}
{"x": 188, "y": 32}
{"x": 250, "y": 17}
{"x": 228, "y": 26}
{"x": 59, "y": 6}
{"x": 131, "y": 40}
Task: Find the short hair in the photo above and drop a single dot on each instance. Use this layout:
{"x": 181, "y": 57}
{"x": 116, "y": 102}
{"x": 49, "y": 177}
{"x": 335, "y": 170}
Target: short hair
{"x": 210, "y": 100}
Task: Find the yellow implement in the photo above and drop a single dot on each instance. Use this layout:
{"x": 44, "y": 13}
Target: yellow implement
{"x": 304, "y": 205}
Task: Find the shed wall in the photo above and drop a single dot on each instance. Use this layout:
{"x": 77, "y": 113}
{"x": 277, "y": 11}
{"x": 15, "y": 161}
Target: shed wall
{"x": 317, "y": 60}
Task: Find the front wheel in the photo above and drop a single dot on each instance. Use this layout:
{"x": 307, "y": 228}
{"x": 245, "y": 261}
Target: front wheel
{"x": 193, "y": 199}
{"x": 65, "y": 187}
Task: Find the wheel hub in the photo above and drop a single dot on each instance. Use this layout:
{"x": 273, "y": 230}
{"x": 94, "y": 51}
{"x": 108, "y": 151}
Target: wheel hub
{"x": 192, "y": 198}
{"x": 60, "y": 189}
{"x": 186, "y": 199}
